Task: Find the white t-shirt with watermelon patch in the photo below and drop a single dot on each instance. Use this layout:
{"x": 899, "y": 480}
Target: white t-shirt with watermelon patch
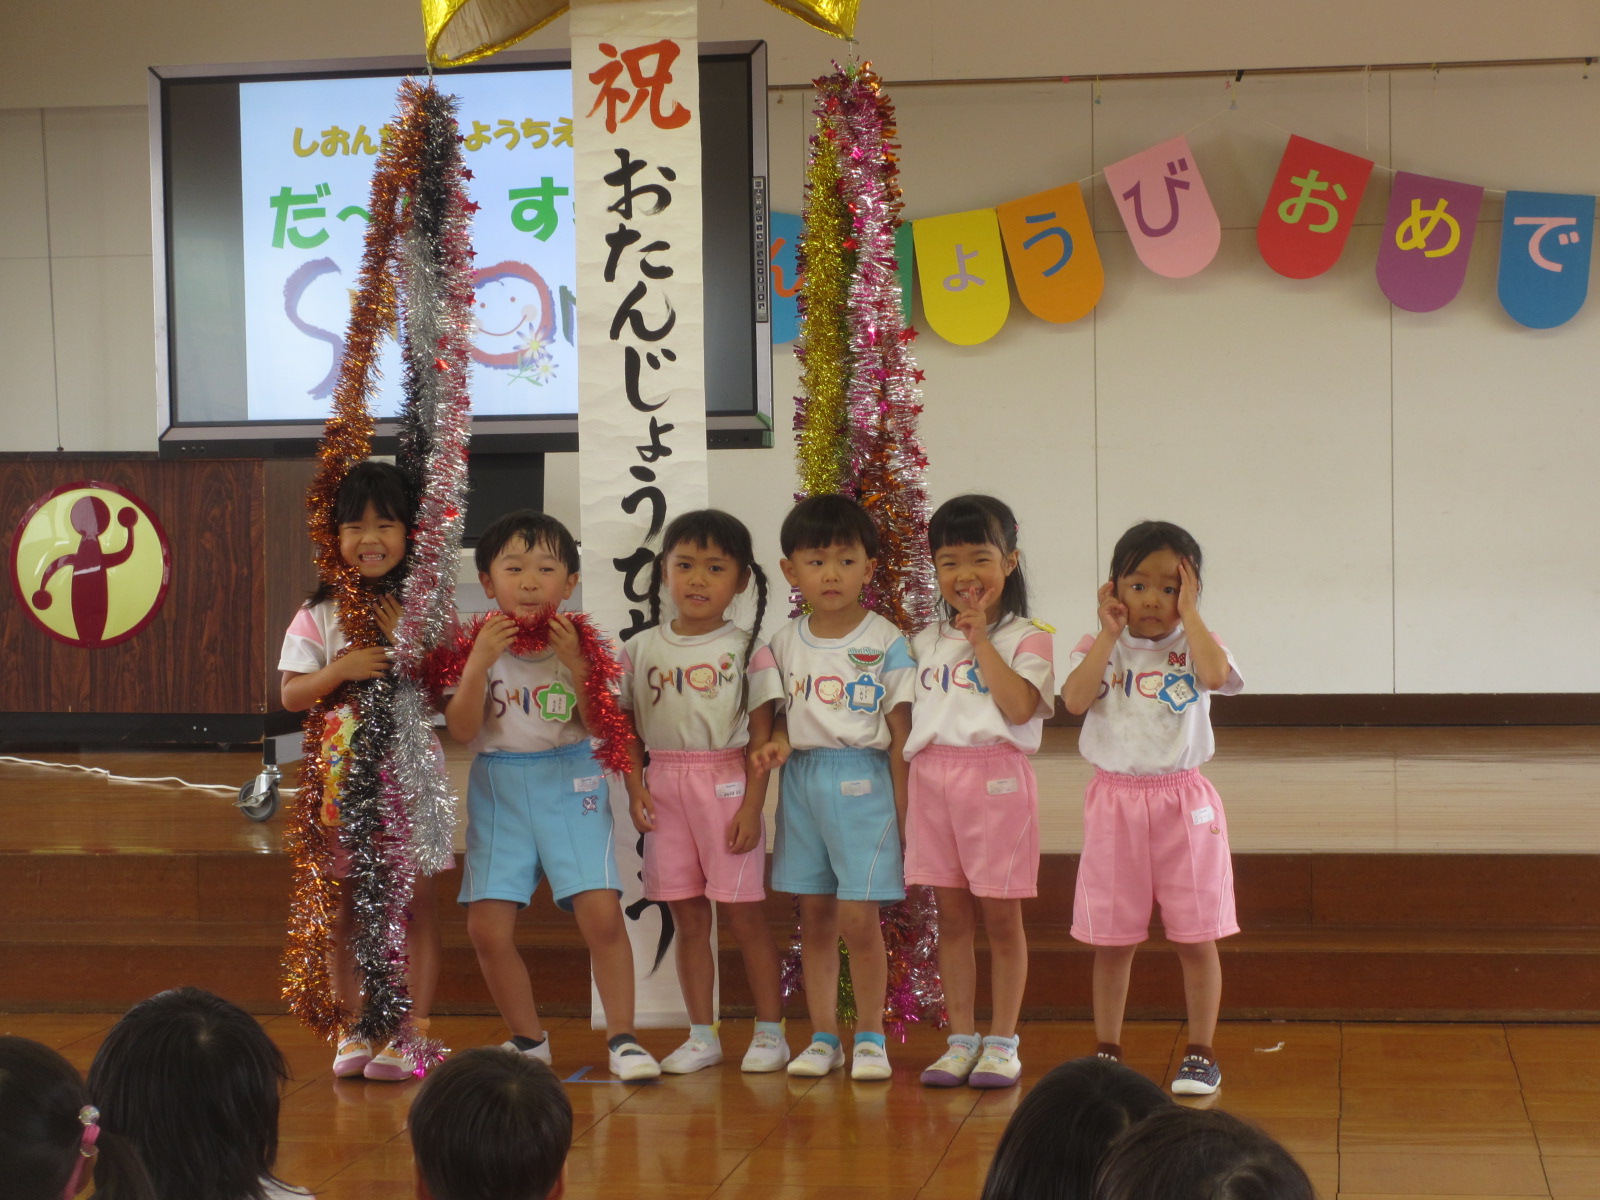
{"x": 838, "y": 691}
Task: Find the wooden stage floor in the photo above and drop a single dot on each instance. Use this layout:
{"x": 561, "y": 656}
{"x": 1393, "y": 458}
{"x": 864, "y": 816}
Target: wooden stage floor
{"x": 1370, "y": 1110}
{"x": 1464, "y": 1110}
{"x": 1520, "y": 790}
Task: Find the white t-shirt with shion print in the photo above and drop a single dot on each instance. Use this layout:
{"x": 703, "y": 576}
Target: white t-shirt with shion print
{"x": 1153, "y": 716}
{"x": 684, "y": 690}
{"x": 953, "y": 706}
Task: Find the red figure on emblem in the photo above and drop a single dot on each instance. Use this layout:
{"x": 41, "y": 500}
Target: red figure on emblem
{"x": 91, "y": 517}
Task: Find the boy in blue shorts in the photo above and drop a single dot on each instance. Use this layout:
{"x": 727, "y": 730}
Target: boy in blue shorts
{"x": 846, "y": 713}
{"x": 537, "y": 802}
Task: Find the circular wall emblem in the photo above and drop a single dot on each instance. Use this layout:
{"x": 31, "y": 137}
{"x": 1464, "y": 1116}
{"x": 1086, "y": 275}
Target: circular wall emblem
{"x": 90, "y": 564}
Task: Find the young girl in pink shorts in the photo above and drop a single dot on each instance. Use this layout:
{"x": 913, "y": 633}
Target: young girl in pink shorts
{"x": 985, "y": 682}
{"x": 700, "y": 690}
{"x": 1153, "y": 826}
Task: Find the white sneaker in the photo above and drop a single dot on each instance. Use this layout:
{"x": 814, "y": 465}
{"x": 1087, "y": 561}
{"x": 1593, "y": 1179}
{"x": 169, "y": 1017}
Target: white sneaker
{"x": 633, "y": 1062}
{"x": 692, "y": 1056}
{"x": 869, "y": 1061}
{"x": 998, "y": 1068}
{"x": 953, "y": 1068}
{"x": 768, "y": 1052}
{"x": 352, "y": 1058}
{"x": 541, "y": 1051}
{"x": 390, "y": 1064}
{"x": 817, "y": 1060}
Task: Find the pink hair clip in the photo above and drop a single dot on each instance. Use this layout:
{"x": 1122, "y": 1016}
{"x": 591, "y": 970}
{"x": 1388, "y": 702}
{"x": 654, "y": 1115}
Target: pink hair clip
{"x": 89, "y": 1115}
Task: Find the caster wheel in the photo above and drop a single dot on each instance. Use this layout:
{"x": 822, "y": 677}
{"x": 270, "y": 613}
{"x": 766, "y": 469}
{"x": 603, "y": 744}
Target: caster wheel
{"x": 258, "y": 799}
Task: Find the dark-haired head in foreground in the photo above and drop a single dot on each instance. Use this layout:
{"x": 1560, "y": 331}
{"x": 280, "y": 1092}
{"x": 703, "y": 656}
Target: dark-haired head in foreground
{"x": 1063, "y": 1127}
{"x": 193, "y": 1082}
{"x": 1200, "y": 1154}
{"x": 491, "y": 1124}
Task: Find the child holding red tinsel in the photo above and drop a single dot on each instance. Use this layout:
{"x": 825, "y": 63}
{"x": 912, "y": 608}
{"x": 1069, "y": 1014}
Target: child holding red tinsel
{"x": 537, "y": 802}
{"x": 373, "y": 514}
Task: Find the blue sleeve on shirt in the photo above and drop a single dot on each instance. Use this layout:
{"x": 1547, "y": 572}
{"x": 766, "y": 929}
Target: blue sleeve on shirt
{"x": 898, "y": 656}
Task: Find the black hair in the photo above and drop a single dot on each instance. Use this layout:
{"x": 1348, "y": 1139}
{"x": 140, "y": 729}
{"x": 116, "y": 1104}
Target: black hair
{"x": 193, "y": 1082}
{"x": 830, "y": 519}
{"x": 1149, "y": 537}
{"x": 393, "y": 497}
{"x": 1199, "y": 1154}
{"x": 708, "y": 527}
{"x": 1063, "y": 1127}
{"x": 41, "y": 1130}
{"x": 535, "y": 529}
{"x": 981, "y": 521}
{"x": 490, "y": 1124}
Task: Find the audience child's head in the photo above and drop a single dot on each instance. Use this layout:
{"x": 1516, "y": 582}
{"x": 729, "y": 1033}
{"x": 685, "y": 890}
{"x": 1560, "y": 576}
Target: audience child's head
{"x": 527, "y": 562}
{"x": 373, "y": 514}
{"x": 491, "y": 1124}
{"x": 1063, "y": 1127}
{"x": 1199, "y": 1154}
{"x": 973, "y": 542}
{"x": 50, "y": 1135}
{"x": 707, "y": 558}
{"x": 193, "y": 1082}
{"x": 830, "y": 549}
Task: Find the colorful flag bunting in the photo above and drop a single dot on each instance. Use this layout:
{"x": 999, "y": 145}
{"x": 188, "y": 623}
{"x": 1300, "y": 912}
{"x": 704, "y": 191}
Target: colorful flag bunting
{"x": 1164, "y": 204}
{"x": 1311, "y": 208}
{"x": 1054, "y": 261}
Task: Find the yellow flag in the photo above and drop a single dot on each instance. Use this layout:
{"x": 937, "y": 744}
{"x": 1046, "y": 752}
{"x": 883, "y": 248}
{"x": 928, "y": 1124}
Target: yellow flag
{"x": 1053, "y": 256}
{"x": 962, "y": 269}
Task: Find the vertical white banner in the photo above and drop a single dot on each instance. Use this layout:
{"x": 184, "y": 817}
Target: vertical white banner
{"x": 641, "y": 351}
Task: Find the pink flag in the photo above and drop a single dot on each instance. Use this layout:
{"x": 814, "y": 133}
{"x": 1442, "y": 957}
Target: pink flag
{"x": 1164, "y": 204}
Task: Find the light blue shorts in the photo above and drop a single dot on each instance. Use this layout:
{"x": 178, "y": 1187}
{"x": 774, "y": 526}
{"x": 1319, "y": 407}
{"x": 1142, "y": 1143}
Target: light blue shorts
{"x": 837, "y": 833}
{"x": 534, "y": 816}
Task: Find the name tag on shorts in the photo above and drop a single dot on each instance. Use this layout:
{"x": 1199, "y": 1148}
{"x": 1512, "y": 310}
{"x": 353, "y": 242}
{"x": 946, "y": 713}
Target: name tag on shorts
{"x": 589, "y": 783}
{"x": 855, "y": 787}
{"x": 1201, "y": 816}
{"x": 727, "y": 791}
{"x": 1002, "y": 787}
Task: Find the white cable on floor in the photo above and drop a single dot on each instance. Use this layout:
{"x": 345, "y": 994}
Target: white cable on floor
{"x": 199, "y": 787}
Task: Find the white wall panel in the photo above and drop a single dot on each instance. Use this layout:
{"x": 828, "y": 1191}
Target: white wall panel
{"x": 98, "y": 164}
{"x": 105, "y": 352}
{"x": 1257, "y": 417}
{"x": 28, "y": 383}
{"x": 23, "y": 233}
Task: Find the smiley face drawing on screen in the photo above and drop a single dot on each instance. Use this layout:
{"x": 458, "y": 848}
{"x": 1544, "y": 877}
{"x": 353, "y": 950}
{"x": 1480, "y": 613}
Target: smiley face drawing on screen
{"x": 515, "y": 321}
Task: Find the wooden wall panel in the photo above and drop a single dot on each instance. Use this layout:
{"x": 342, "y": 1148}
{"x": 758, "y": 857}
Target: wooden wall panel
{"x": 238, "y": 550}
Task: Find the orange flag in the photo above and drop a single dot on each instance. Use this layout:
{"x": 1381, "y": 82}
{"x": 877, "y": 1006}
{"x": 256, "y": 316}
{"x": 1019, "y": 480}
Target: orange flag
{"x": 1054, "y": 260}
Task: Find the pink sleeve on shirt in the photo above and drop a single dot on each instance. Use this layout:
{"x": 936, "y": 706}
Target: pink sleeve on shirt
{"x": 762, "y": 660}
{"x": 1039, "y": 644}
{"x": 304, "y": 625}
{"x": 1085, "y": 644}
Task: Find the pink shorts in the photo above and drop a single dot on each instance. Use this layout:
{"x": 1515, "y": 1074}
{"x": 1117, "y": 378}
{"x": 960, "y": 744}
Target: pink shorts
{"x": 697, "y": 793}
{"x": 972, "y": 821}
{"x": 1153, "y": 839}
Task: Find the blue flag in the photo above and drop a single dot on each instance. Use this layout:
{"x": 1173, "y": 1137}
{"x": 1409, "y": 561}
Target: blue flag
{"x": 1544, "y": 257}
{"x": 785, "y": 278}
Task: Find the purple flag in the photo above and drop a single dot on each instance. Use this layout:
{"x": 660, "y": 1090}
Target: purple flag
{"x": 1427, "y": 240}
